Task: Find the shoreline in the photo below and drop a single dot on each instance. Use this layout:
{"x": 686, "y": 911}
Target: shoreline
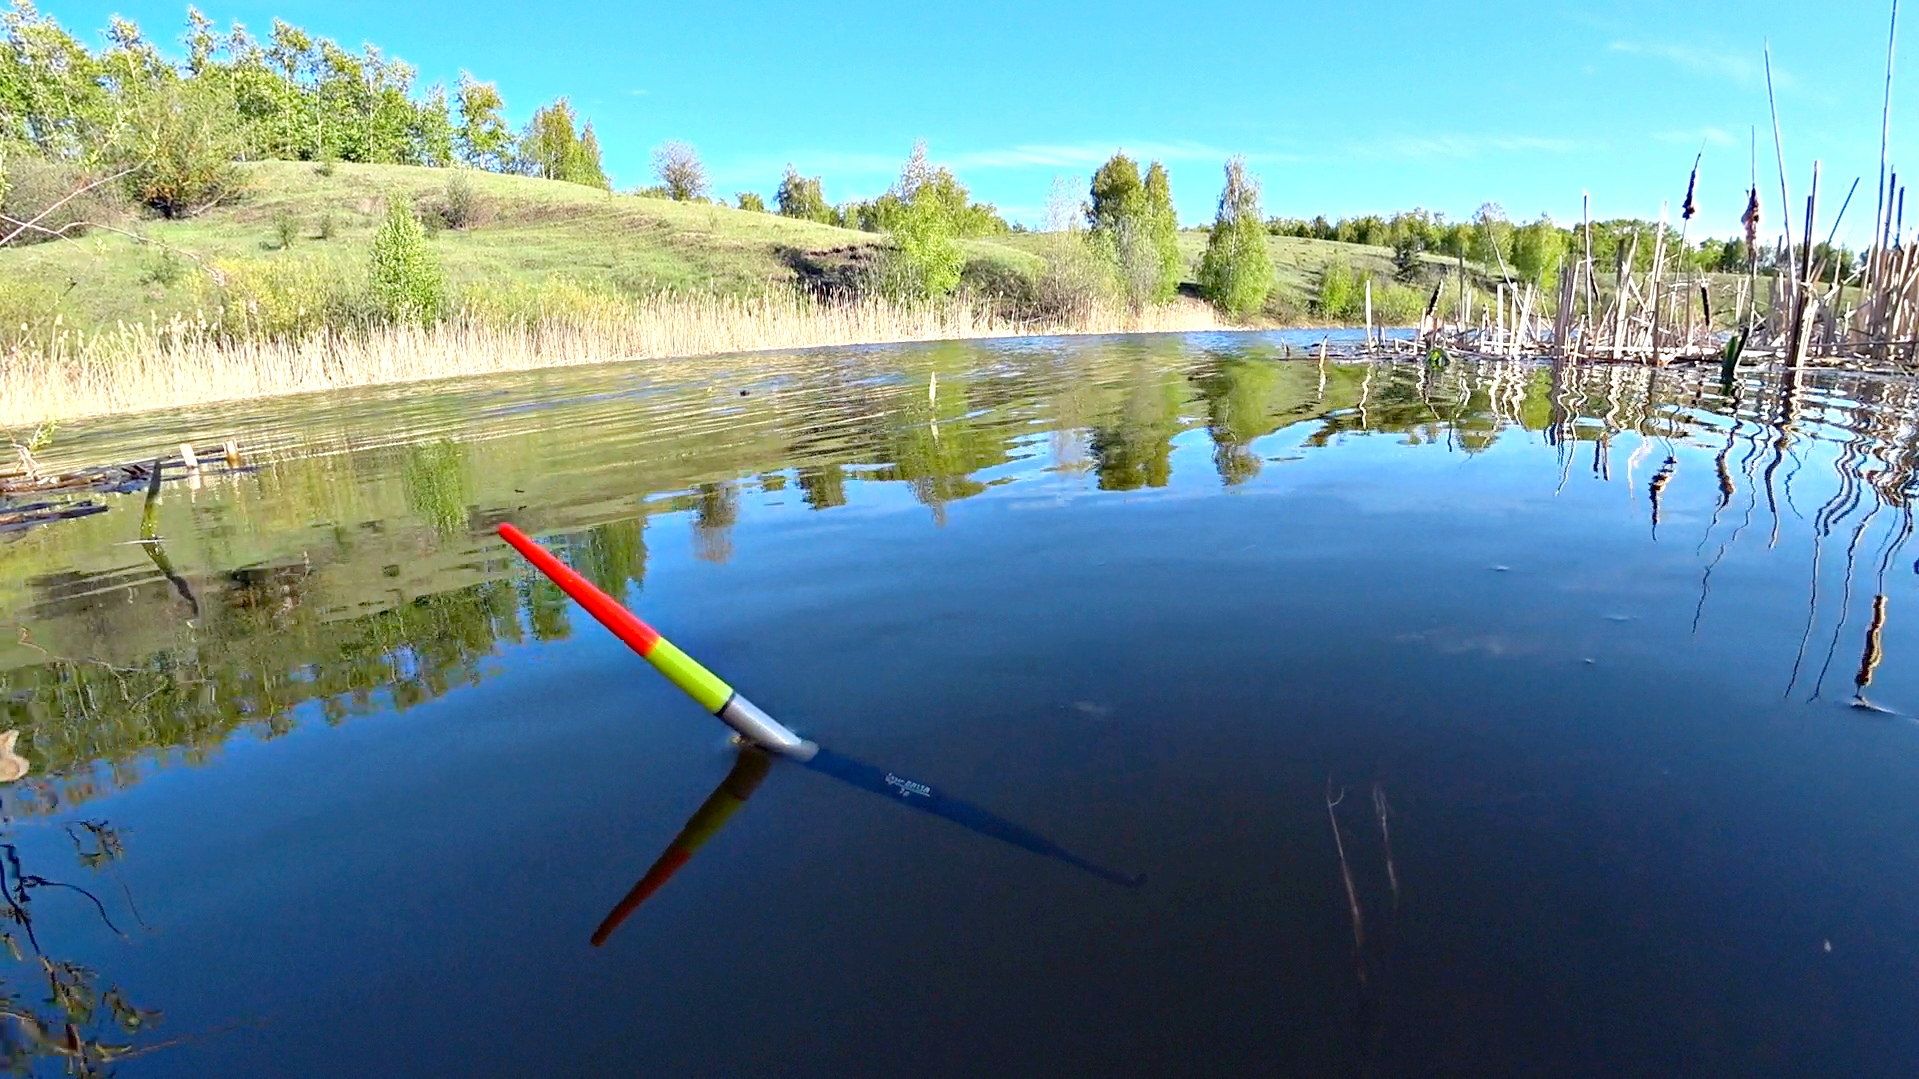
{"x": 139, "y": 371}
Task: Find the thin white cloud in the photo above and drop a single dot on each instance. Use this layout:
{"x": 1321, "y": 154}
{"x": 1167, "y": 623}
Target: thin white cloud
{"x": 1082, "y": 155}
{"x": 1461, "y": 146}
{"x": 1709, "y": 136}
{"x": 1746, "y": 69}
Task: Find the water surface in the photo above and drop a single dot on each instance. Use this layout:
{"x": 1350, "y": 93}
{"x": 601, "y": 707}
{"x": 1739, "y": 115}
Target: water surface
{"x": 1619, "y": 657}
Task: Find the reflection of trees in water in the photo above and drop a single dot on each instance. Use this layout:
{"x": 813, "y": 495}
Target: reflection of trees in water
{"x": 611, "y": 555}
{"x": 1235, "y": 392}
{"x": 54, "y": 1010}
{"x": 275, "y": 636}
{"x": 1133, "y": 449}
{"x": 715, "y": 511}
{"x": 438, "y": 485}
{"x": 823, "y": 486}
{"x": 248, "y": 667}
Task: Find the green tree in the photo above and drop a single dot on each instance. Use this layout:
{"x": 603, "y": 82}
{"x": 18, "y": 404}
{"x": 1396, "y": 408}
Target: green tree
{"x": 52, "y": 96}
{"x": 586, "y": 167}
{"x": 751, "y": 201}
{"x": 1492, "y": 236}
{"x": 1162, "y": 231}
{"x": 1236, "y": 272}
{"x": 678, "y": 167}
{"x": 802, "y": 197}
{"x": 483, "y": 138}
{"x": 1538, "y": 248}
{"x": 927, "y": 260}
{"x": 1117, "y": 194}
{"x": 404, "y": 277}
{"x": 549, "y": 148}
{"x": 928, "y": 256}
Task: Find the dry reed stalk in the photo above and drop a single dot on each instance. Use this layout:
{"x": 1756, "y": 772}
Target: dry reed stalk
{"x": 138, "y": 369}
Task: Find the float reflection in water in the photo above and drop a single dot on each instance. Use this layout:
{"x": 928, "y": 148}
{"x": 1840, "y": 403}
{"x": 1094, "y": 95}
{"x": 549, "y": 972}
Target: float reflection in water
{"x": 750, "y": 769}
{"x": 760, "y": 731}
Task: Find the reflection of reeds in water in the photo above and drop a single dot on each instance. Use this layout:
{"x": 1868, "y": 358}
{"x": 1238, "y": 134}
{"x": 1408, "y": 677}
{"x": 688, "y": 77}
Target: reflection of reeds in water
{"x": 140, "y": 368}
{"x": 1370, "y": 955}
{"x": 1346, "y": 877}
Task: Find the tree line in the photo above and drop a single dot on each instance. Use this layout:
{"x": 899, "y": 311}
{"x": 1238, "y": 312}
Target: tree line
{"x": 1533, "y": 250}
{"x": 174, "y": 130}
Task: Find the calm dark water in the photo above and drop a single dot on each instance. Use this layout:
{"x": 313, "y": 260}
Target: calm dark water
{"x": 356, "y": 790}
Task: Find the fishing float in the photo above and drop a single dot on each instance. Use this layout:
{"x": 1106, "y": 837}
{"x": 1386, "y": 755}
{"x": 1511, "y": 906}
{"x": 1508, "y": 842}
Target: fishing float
{"x": 707, "y": 689}
{"x": 760, "y": 731}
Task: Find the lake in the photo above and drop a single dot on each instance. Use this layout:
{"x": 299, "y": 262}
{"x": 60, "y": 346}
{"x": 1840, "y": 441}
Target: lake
{"x": 1196, "y": 708}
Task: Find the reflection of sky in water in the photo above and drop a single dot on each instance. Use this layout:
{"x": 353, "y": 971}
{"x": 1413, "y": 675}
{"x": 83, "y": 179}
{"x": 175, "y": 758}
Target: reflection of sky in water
{"x": 1140, "y": 598}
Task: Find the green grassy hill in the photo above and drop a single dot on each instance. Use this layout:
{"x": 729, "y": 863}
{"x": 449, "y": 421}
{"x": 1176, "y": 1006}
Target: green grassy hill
{"x": 528, "y": 230}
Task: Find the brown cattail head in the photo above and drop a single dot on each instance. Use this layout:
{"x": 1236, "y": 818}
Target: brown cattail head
{"x": 1751, "y": 220}
{"x": 1689, "y": 207}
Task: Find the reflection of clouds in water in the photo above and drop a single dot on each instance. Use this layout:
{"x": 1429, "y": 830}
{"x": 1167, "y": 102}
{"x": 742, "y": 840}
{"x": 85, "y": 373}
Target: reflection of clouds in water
{"x": 1450, "y": 641}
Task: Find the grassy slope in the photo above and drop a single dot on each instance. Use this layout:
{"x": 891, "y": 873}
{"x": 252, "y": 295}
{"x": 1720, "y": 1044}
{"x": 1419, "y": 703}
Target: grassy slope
{"x": 534, "y": 229}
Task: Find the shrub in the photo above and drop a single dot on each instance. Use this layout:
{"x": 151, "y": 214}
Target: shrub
{"x": 27, "y": 311}
{"x": 749, "y": 200}
{"x": 162, "y": 267}
{"x": 181, "y": 148}
{"x": 999, "y": 288}
{"x": 677, "y": 166}
{"x": 404, "y": 277}
{"x": 460, "y": 206}
{"x": 1395, "y": 304}
{"x": 1340, "y": 291}
{"x": 30, "y": 186}
{"x": 1076, "y": 280}
{"x": 280, "y": 299}
{"x": 284, "y": 228}
{"x": 549, "y": 301}
{"x": 1236, "y": 272}
{"x": 327, "y": 225}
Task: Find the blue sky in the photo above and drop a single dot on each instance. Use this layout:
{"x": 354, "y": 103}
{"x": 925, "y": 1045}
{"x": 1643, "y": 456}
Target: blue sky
{"x": 1340, "y": 109}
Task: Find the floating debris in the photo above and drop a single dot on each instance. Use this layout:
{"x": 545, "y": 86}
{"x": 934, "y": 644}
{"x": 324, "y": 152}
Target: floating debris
{"x": 12, "y": 765}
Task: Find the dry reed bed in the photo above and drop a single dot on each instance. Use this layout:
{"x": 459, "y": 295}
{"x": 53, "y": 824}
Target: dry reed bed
{"x": 137, "y": 369}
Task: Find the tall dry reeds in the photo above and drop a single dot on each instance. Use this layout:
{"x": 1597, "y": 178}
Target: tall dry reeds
{"x": 153, "y": 367}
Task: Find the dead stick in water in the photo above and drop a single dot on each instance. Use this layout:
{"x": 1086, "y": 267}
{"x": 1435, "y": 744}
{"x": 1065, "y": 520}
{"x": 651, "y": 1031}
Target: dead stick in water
{"x": 1869, "y": 662}
{"x": 1346, "y": 875}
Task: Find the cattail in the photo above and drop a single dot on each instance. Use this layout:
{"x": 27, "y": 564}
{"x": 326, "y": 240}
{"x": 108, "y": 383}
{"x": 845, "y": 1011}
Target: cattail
{"x": 1689, "y": 207}
{"x": 1751, "y": 220}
